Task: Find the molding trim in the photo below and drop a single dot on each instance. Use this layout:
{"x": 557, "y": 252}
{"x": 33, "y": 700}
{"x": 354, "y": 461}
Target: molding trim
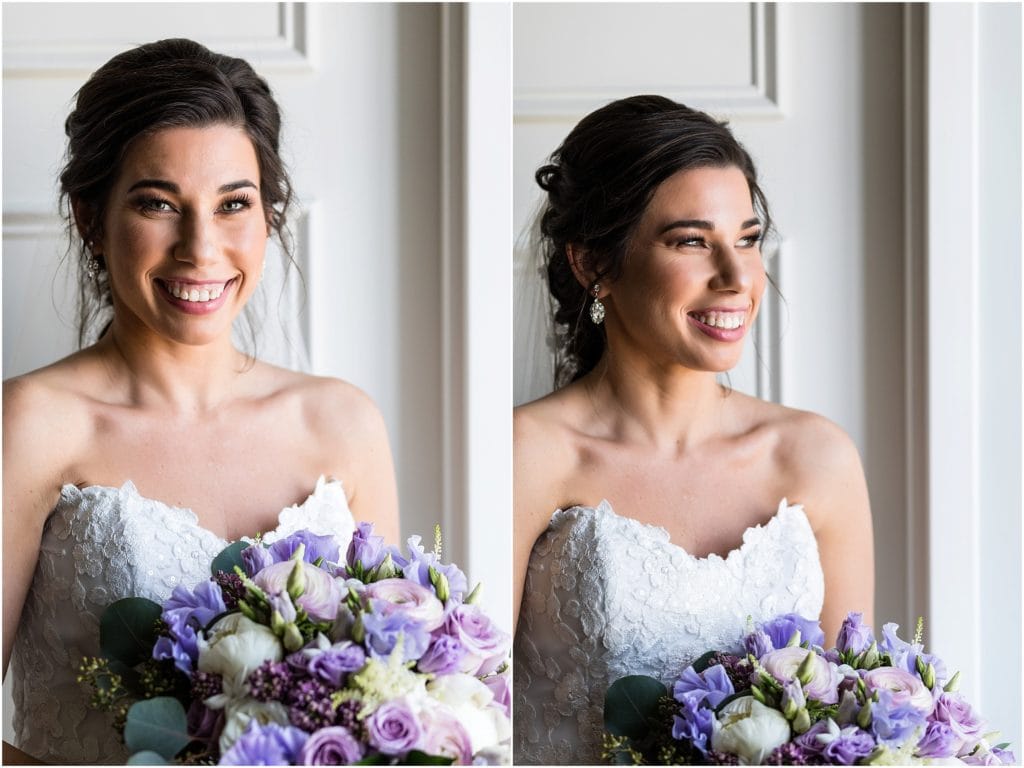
{"x": 288, "y": 49}
{"x": 768, "y": 331}
{"x": 759, "y": 99}
{"x": 30, "y": 222}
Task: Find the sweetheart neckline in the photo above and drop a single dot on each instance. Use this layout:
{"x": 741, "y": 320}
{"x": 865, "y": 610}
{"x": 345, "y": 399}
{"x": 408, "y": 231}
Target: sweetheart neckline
{"x": 750, "y": 533}
{"x": 186, "y": 513}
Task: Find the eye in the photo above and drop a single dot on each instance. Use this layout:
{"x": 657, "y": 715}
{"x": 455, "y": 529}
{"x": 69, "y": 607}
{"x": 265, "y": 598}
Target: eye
{"x": 236, "y": 204}
{"x": 690, "y": 241}
{"x": 752, "y": 240}
{"x": 154, "y": 205}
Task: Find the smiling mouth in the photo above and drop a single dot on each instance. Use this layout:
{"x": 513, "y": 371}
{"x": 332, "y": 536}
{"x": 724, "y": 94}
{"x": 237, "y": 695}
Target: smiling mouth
{"x": 727, "y": 321}
{"x": 195, "y": 294}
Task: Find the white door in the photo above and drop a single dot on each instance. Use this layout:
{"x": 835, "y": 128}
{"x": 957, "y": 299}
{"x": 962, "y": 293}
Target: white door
{"x": 830, "y": 101}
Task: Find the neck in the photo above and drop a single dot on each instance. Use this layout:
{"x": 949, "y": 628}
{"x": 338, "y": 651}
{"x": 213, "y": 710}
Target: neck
{"x": 182, "y": 379}
{"x": 669, "y": 408}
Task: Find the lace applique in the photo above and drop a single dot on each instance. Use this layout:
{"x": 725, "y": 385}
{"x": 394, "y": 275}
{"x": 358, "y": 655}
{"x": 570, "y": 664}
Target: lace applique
{"x": 608, "y": 596}
{"x": 101, "y": 544}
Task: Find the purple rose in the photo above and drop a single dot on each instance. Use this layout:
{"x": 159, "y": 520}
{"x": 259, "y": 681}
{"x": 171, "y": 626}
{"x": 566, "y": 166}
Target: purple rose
{"x": 854, "y": 635}
{"x": 713, "y": 684}
{"x": 893, "y": 722}
{"x": 443, "y": 656}
{"x": 809, "y": 742}
{"x": 938, "y": 740}
{"x": 204, "y": 723}
{"x": 270, "y": 744}
{"x": 851, "y": 745}
{"x": 781, "y": 629}
{"x": 365, "y": 551}
{"x": 417, "y": 568}
{"x": 316, "y": 547}
{"x": 334, "y": 664}
{"x": 486, "y": 644}
{"x": 255, "y": 558}
{"x": 502, "y": 693}
{"x": 694, "y": 724}
{"x": 965, "y": 723}
{"x": 383, "y": 631}
{"x": 333, "y": 745}
{"x": 757, "y": 643}
{"x": 393, "y": 728}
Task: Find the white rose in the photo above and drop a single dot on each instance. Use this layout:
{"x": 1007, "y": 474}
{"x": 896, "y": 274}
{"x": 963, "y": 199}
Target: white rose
{"x": 471, "y": 701}
{"x": 748, "y": 729}
{"x": 238, "y": 717}
{"x": 237, "y": 646}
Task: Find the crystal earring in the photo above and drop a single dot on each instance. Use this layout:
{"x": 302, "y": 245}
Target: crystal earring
{"x": 92, "y": 264}
{"x": 596, "y": 307}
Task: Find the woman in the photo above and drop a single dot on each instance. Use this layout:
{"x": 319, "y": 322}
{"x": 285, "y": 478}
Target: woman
{"x": 669, "y": 537}
{"x": 131, "y": 463}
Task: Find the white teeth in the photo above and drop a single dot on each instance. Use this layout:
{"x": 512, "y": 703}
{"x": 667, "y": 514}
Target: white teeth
{"x": 725, "y": 320}
{"x": 199, "y": 295}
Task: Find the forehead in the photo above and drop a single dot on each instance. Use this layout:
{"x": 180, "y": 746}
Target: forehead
{"x": 719, "y": 195}
{"x": 211, "y": 155}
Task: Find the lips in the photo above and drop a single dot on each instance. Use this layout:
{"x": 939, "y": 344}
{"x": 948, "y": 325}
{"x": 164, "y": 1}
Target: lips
{"x": 195, "y": 292}
{"x": 720, "y": 324}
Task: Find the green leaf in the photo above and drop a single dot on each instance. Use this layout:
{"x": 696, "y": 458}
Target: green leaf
{"x": 127, "y": 630}
{"x": 229, "y": 558}
{"x": 146, "y": 757}
{"x": 377, "y": 759}
{"x": 415, "y": 757}
{"x": 158, "y": 725}
{"x": 630, "y": 704}
{"x": 704, "y": 661}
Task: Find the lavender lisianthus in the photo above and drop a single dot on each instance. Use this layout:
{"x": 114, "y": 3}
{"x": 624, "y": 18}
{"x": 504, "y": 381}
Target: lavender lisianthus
{"x": 334, "y": 664}
{"x": 758, "y": 643}
{"x": 712, "y": 684}
{"x": 365, "y": 551}
{"x": 255, "y": 558}
{"x": 383, "y": 631}
{"x": 393, "y": 728}
{"x": 316, "y": 547}
{"x": 443, "y": 656}
{"x": 486, "y": 644}
{"x": 851, "y": 745}
{"x": 694, "y": 724}
{"x": 892, "y": 722}
{"x": 854, "y": 635}
{"x": 499, "y": 685}
{"x": 417, "y": 568}
{"x": 270, "y": 744}
{"x": 781, "y": 629}
{"x": 333, "y": 745}
{"x": 904, "y": 655}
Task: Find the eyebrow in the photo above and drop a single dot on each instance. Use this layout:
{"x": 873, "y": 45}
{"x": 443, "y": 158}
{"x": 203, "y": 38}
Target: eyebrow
{"x": 702, "y": 224}
{"x": 170, "y": 186}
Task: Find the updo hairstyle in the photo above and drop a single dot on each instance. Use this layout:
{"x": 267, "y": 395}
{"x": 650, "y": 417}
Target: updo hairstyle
{"x": 173, "y": 83}
{"x": 599, "y": 183}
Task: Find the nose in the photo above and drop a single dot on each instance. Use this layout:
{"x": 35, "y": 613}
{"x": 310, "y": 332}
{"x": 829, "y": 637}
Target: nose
{"x": 197, "y": 240}
{"x": 732, "y": 271}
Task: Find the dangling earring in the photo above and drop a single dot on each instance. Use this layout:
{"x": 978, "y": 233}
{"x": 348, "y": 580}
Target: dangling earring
{"x": 596, "y": 307}
{"x": 92, "y": 264}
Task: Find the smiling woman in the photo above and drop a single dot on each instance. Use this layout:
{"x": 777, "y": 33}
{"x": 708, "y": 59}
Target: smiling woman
{"x": 130, "y": 463}
{"x": 727, "y": 509}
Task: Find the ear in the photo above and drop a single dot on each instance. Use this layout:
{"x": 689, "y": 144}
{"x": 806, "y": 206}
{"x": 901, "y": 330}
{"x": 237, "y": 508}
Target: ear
{"x": 579, "y": 262}
{"x": 84, "y": 224}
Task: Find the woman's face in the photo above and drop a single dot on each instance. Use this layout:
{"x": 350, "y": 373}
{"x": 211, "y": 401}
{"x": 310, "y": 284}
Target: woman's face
{"x": 185, "y": 232}
{"x": 693, "y": 277}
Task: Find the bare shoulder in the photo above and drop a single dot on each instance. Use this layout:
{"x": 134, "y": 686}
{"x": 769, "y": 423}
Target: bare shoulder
{"x": 543, "y": 450}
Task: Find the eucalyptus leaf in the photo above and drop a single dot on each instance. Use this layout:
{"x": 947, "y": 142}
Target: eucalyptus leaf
{"x": 128, "y": 630}
{"x": 158, "y": 725}
{"x": 146, "y": 757}
{"x": 630, "y": 704}
{"x": 377, "y": 759}
{"x": 228, "y": 558}
{"x": 415, "y": 757}
{"x": 704, "y": 661}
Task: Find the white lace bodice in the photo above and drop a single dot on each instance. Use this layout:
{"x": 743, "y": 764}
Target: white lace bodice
{"x": 99, "y": 545}
{"x": 608, "y": 596}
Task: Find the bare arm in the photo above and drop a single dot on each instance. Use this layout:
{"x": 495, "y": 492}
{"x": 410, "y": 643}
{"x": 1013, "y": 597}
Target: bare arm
{"x": 837, "y": 501}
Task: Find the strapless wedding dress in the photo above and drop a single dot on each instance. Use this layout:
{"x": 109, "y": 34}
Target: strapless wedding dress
{"x": 101, "y": 544}
{"x": 608, "y": 596}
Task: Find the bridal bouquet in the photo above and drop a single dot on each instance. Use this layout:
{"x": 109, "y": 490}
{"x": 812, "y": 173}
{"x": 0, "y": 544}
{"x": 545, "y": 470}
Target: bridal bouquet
{"x": 787, "y": 701}
{"x": 287, "y": 657}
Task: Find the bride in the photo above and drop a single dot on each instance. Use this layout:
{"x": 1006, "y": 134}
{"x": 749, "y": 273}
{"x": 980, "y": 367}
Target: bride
{"x": 129, "y": 464}
{"x": 685, "y": 510}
